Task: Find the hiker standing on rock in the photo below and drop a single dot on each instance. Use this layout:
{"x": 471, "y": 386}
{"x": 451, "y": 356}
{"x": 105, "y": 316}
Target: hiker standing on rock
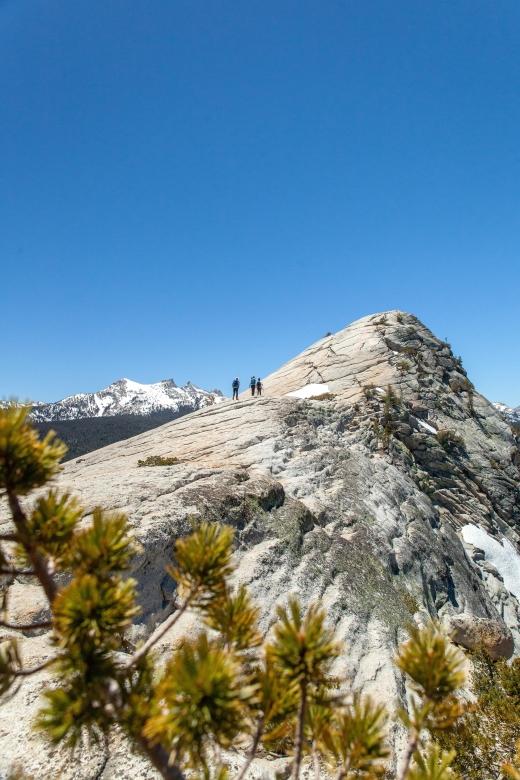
{"x": 259, "y": 386}
{"x": 252, "y": 385}
{"x": 235, "y": 386}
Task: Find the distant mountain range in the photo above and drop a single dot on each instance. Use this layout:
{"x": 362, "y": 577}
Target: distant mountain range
{"x": 511, "y": 415}
{"x": 89, "y": 421}
{"x": 126, "y": 397}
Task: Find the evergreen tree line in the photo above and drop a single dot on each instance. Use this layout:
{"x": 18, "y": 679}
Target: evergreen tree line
{"x": 230, "y": 686}
{"x": 92, "y": 433}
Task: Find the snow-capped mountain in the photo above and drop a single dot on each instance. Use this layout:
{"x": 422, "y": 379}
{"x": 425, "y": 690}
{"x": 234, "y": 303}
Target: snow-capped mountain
{"x": 512, "y": 415}
{"x": 127, "y": 397}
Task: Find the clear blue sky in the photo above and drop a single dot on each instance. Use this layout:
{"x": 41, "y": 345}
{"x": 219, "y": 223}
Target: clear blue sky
{"x": 199, "y": 188}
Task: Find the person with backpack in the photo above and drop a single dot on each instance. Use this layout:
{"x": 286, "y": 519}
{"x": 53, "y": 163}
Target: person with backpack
{"x": 235, "y": 386}
{"x": 259, "y": 386}
{"x": 252, "y": 385}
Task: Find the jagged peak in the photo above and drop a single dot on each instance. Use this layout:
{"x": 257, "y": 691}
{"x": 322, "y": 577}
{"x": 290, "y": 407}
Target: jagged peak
{"x": 125, "y": 396}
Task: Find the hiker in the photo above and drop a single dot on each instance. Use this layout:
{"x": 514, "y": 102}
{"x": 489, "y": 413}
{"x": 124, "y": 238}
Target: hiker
{"x": 235, "y": 386}
{"x": 252, "y": 385}
{"x": 259, "y": 386}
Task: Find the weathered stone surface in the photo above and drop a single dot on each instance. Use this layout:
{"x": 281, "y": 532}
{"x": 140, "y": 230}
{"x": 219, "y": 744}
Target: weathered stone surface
{"x": 471, "y": 631}
{"x": 356, "y": 501}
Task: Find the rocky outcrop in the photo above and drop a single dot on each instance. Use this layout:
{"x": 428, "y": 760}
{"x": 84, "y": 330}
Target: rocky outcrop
{"x": 357, "y": 499}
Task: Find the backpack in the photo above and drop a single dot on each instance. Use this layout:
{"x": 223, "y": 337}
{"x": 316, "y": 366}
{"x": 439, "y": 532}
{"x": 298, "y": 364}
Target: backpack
{"x": 235, "y": 384}
{"x": 253, "y": 381}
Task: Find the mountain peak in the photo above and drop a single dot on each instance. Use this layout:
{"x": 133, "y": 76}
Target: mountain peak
{"x": 127, "y": 397}
{"x": 377, "y": 350}
{"x": 511, "y": 415}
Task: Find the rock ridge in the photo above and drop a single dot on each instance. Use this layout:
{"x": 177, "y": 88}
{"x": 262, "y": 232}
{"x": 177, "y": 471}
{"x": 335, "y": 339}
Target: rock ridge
{"x": 359, "y": 499}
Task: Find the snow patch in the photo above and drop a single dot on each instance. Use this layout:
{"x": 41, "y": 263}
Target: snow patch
{"x": 512, "y": 416}
{"x": 309, "y": 390}
{"x": 427, "y": 427}
{"x": 503, "y": 556}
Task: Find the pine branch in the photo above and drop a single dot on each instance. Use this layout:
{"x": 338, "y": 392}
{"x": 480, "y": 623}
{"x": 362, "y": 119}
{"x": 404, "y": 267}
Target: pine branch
{"x": 160, "y": 631}
{"x": 37, "y": 560}
{"x": 252, "y": 751}
{"x": 160, "y": 758}
{"x": 298, "y": 737}
{"x": 410, "y": 750}
{"x": 19, "y": 572}
{"x": 315, "y": 760}
{"x": 8, "y": 538}
{"x": 34, "y": 670}
{"x": 27, "y": 627}
{"x": 344, "y": 771}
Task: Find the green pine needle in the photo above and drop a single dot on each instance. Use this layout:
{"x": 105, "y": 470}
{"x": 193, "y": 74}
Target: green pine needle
{"x": 26, "y": 461}
{"x": 303, "y": 649}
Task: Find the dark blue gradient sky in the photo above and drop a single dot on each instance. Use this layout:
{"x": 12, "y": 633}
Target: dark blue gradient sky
{"x": 194, "y": 189}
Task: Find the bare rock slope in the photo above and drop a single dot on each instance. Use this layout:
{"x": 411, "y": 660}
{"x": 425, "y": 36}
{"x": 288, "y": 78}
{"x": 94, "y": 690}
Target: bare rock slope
{"x": 362, "y": 499}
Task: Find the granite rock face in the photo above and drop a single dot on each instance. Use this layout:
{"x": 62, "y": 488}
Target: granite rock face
{"x": 357, "y": 499}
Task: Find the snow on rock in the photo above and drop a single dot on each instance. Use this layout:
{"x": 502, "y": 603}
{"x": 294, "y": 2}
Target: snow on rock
{"x": 127, "y": 397}
{"x": 503, "y": 556}
{"x": 427, "y": 427}
{"x": 511, "y": 415}
{"x": 310, "y": 390}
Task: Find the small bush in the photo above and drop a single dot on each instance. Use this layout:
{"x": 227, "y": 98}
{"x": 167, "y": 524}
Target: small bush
{"x": 450, "y": 440}
{"x": 455, "y": 386}
{"x": 322, "y": 397}
{"x": 403, "y": 365}
{"x": 399, "y": 317}
{"x": 485, "y": 736}
{"x": 391, "y": 399}
{"x": 410, "y": 603}
{"x": 328, "y": 333}
{"x": 157, "y": 460}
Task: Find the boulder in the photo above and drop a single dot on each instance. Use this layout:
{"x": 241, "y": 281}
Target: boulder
{"x": 470, "y": 632}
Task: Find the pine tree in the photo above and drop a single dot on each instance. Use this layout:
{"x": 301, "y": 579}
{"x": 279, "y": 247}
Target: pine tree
{"x": 436, "y": 672}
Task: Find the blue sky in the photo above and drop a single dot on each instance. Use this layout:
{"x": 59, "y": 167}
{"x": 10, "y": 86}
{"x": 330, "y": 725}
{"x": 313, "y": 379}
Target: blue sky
{"x": 201, "y": 188}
